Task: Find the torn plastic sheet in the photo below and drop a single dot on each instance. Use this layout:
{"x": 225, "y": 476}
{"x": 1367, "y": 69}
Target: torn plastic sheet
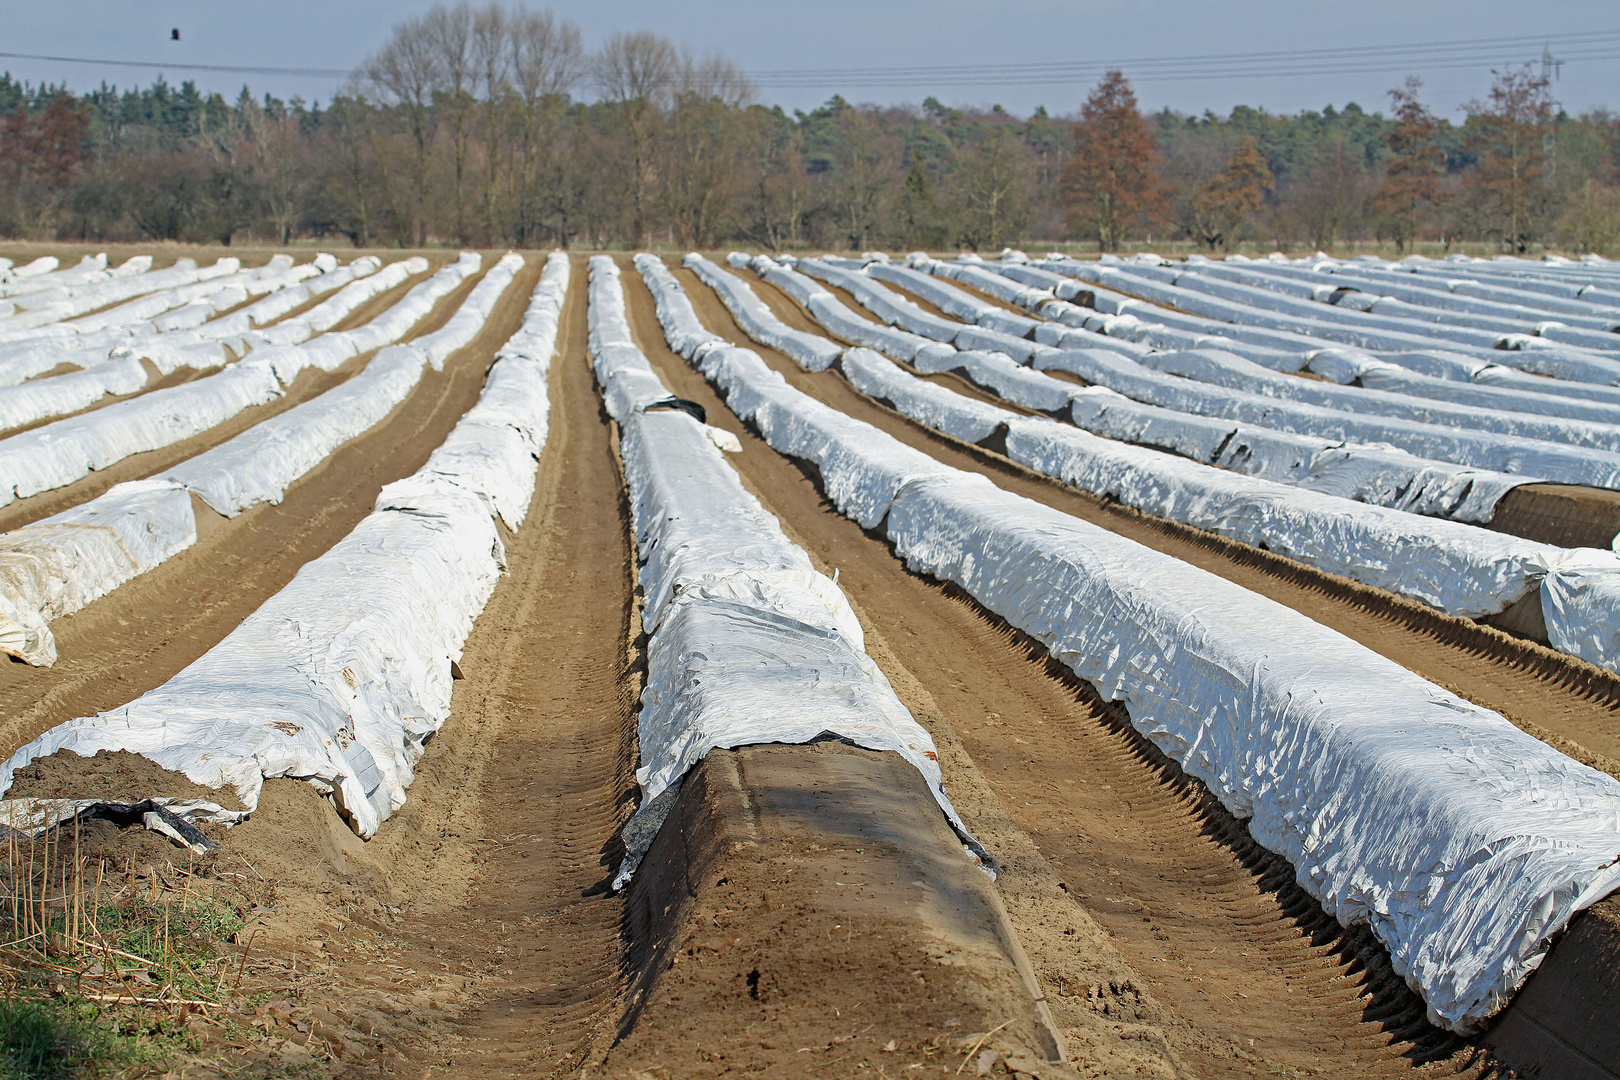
{"x": 716, "y": 569}
{"x": 164, "y": 815}
{"x": 329, "y": 682}
{"x": 1465, "y": 844}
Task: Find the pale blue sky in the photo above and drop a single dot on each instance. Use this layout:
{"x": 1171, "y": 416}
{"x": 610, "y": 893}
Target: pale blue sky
{"x": 940, "y": 35}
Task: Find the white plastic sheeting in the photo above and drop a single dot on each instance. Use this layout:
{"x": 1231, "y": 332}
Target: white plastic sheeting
{"x": 1465, "y": 844}
{"x": 893, "y": 308}
{"x": 131, "y": 330}
{"x": 758, "y": 321}
{"x": 111, "y": 365}
{"x": 927, "y": 403}
{"x": 470, "y": 317}
{"x": 749, "y": 643}
{"x": 179, "y": 284}
{"x": 64, "y": 451}
{"x": 56, "y": 454}
{"x": 55, "y": 566}
{"x": 44, "y": 398}
{"x": 1455, "y": 568}
{"x": 1373, "y": 473}
{"x": 1328, "y": 322}
{"x": 258, "y": 465}
{"x": 1431, "y": 373}
{"x": 334, "y": 309}
{"x": 1225, "y": 369}
{"x": 495, "y": 449}
{"x": 329, "y": 682}
{"x": 1498, "y": 453}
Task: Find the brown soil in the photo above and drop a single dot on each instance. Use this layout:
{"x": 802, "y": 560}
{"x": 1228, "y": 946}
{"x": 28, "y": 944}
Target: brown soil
{"x": 812, "y": 900}
{"x": 1564, "y": 514}
{"x": 113, "y": 776}
{"x": 1563, "y": 1019}
{"x": 1214, "y": 924}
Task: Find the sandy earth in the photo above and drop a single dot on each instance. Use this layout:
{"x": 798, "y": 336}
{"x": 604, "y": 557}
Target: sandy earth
{"x": 805, "y": 911}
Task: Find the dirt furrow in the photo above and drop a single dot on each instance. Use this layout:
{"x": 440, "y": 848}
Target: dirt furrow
{"x": 1260, "y": 979}
{"x": 473, "y": 935}
{"x": 548, "y": 703}
{"x": 144, "y": 632}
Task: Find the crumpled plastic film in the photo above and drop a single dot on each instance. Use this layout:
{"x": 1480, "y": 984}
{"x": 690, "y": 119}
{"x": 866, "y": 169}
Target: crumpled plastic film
{"x": 1450, "y": 566}
{"x": 57, "y": 565}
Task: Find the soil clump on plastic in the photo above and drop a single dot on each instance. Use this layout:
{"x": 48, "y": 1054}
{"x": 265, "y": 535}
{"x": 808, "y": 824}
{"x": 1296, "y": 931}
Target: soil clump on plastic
{"x": 111, "y": 776}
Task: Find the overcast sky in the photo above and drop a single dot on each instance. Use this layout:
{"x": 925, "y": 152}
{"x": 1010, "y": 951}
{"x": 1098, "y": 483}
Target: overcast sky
{"x": 766, "y": 36}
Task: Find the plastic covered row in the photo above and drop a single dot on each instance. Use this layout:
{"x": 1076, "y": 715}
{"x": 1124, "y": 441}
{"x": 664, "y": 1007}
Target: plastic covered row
{"x": 749, "y": 643}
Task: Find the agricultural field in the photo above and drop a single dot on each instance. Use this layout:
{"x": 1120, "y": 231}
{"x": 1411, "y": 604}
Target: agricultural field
{"x": 547, "y": 664}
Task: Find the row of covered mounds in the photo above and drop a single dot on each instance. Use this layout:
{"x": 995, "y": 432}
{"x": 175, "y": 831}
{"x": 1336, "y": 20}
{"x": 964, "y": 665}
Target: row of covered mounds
{"x": 55, "y": 566}
{"x": 1451, "y": 566}
{"x": 749, "y": 643}
{"x": 1463, "y": 843}
{"x": 342, "y": 676}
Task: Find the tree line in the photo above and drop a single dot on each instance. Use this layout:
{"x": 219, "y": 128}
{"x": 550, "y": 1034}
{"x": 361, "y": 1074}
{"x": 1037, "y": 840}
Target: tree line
{"x": 493, "y": 125}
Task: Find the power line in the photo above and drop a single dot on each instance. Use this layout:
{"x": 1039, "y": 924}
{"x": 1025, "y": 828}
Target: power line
{"x": 1293, "y": 63}
{"x": 165, "y": 65}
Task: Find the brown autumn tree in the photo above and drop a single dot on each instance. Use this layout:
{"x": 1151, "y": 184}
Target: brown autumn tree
{"x": 1227, "y": 199}
{"x": 1112, "y": 182}
{"x": 40, "y": 156}
{"x": 1506, "y": 194}
{"x": 1411, "y": 189}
